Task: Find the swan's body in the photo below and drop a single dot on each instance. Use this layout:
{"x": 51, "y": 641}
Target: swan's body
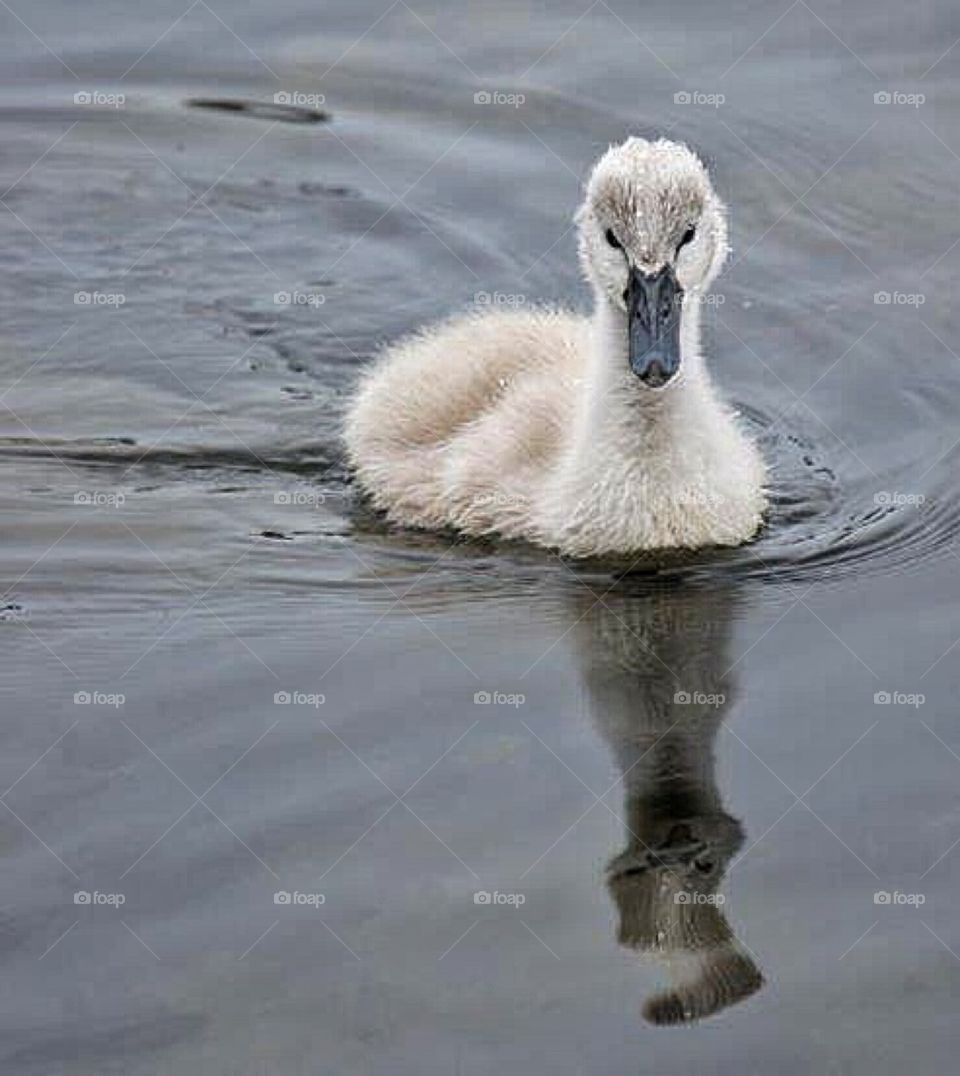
{"x": 557, "y": 428}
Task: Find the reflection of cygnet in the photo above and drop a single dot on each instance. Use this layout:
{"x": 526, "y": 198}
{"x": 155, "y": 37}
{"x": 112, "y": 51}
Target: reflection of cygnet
{"x": 653, "y": 665}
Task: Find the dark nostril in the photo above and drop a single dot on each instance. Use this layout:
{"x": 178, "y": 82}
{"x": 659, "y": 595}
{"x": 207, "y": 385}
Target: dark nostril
{"x": 626, "y": 294}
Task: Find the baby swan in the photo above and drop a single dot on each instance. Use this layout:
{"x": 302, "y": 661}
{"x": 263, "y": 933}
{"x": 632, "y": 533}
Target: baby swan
{"x": 591, "y": 436}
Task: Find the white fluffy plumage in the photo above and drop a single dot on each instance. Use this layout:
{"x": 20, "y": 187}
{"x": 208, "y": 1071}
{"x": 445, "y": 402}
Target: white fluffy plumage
{"x": 530, "y": 423}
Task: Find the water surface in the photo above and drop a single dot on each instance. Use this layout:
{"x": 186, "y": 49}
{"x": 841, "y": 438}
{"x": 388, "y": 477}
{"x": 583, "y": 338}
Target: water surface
{"x": 179, "y": 530}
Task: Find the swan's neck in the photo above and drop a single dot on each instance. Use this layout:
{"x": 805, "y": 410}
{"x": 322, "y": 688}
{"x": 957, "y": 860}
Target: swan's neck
{"x": 617, "y": 408}
{"x": 650, "y": 468}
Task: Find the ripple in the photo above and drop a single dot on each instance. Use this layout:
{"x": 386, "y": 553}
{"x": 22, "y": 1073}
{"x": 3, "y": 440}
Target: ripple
{"x": 824, "y": 524}
{"x": 826, "y": 520}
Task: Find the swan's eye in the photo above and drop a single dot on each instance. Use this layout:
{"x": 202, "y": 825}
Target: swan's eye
{"x": 613, "y": 240}
{"x": 688, "y": 236}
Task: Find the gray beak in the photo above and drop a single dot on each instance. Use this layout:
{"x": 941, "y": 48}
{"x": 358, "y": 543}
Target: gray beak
{"x": 653, "y": 309}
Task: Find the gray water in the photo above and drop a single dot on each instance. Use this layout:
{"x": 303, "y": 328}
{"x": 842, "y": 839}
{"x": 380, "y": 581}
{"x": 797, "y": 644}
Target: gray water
{"x": 181, "y": 544}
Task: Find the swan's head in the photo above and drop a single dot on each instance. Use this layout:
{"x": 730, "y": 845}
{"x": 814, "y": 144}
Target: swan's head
{"x": 653, "y": 235}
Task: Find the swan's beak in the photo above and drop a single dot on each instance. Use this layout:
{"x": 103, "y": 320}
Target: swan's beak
{"x": 653, "y": 310}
